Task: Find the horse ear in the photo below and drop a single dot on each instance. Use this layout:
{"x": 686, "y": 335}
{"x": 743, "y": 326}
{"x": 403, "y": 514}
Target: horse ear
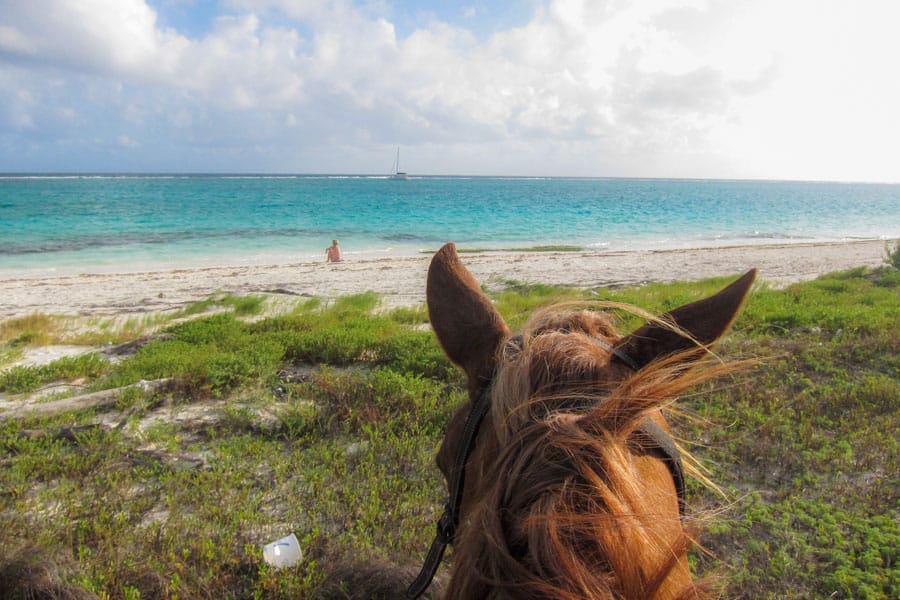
{"x": 467, "y": 325}
{"x": 705, "y": 320}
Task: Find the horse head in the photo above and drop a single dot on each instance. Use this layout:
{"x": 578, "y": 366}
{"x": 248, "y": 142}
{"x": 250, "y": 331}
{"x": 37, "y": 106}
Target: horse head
{"x": 566, "y": 481}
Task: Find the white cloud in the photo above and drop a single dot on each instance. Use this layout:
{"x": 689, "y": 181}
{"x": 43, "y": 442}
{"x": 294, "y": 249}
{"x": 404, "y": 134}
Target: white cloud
{"x": 126, "y": 142}
{"x": 105, "y": 36}
{"x": 735, "y": 88}
{"x": 13, "y": 40}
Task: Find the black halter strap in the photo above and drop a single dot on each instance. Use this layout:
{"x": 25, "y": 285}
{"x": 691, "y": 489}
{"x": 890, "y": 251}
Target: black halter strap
{"x": 664, "y": 446}
{"x": 660, "y": 441}
{"x": 617, "y": 353}
{"x": 449, "y": 521}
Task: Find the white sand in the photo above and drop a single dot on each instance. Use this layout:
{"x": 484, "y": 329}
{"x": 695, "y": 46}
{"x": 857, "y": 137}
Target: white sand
{"x": 401, "y": 281}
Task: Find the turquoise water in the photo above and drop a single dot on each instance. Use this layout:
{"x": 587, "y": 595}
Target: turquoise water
{"x": 130, "y": 222}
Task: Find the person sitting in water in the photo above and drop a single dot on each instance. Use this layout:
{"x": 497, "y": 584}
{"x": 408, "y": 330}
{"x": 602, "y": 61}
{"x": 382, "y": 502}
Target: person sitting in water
{"x": 333, "y": 252}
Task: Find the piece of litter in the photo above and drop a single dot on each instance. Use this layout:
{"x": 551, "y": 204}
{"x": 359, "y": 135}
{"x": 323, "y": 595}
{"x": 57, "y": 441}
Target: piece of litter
{"x": 283, "y": 553}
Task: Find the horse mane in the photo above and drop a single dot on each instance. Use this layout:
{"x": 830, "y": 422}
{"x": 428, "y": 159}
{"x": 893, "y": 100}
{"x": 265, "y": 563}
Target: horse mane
{"x": 559, "y": 512}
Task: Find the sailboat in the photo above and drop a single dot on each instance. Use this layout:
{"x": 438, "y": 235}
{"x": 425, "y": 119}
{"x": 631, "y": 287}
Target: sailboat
{"x": 396, "y": 172}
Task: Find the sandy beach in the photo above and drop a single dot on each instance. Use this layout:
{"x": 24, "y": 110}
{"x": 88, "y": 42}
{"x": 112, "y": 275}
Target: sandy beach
{"x": 401, "y": 280}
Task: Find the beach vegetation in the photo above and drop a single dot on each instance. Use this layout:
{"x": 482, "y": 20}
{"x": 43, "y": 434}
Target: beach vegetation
{"x": 252, "y": 304}
{"x": 207, "y": 356}
{"x": 892, "y": 254}
{"x": 551, "y": 248}
{"x": 9, "y": 354}
{"x": 324, "y": 421}
{"x": 356, "y": 304}
{"x": 34, "y": 329}
{"x": 545, "y": 248}
{"x": 19, "y": 379}
{"x": 410, "y": 315}
{"x": 38, "y": 330}
{"x": 99, "y": 331}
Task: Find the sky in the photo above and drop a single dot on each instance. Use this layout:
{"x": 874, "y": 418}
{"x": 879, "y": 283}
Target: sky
{"x": 733, "y": 89}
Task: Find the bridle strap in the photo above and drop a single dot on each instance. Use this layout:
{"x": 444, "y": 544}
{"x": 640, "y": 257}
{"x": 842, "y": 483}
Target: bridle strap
{"x": 671, "y": 456}
{"x": 430, "y": 566}
{"x": 449, "y": 521}
{"x": 617, "y": 353}
{"x": 661, "y": 439}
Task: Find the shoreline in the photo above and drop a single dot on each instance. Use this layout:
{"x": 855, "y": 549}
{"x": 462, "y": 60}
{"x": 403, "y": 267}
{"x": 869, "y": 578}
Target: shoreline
{"x": 401, "y": 280}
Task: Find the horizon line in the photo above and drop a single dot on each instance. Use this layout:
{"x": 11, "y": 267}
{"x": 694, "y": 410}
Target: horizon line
{"x": 286, "y": 174}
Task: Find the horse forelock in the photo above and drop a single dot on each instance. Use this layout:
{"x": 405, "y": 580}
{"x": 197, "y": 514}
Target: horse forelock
{"x": 555, "y": 366}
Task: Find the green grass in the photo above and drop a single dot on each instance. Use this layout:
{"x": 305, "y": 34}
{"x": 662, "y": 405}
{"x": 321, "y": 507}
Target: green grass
{"x": 550, "y": 248}
{"x": 21, "y": 379}
{"x": 39, "y": 329}
{"x": 324, "y": 421}
{"x": 20, "y": 334}
{"x": 240, "y": 305}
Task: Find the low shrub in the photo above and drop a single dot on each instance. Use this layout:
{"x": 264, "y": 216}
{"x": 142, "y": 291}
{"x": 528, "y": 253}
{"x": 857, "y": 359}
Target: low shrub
{"x": 20, "y": 379}
{"x": 211, "y": 355}
{"x": 415, "y": 352}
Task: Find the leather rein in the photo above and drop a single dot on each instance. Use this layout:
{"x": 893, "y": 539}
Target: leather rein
{"x": 449, "y": 521}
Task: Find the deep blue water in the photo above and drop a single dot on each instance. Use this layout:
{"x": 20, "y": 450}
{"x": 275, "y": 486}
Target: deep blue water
{"x": 128, "y": 222}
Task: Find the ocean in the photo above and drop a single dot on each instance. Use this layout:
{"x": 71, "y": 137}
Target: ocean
{"x": 97, "y": 223}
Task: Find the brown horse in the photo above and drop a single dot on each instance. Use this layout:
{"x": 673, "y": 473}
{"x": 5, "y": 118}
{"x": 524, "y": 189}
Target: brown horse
{"x": 572, "y": 486}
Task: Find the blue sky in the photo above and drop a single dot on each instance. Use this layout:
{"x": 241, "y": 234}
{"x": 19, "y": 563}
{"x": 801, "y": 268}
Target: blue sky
{"x": 765, "y": 89}
{"x": 195, "y": 18}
